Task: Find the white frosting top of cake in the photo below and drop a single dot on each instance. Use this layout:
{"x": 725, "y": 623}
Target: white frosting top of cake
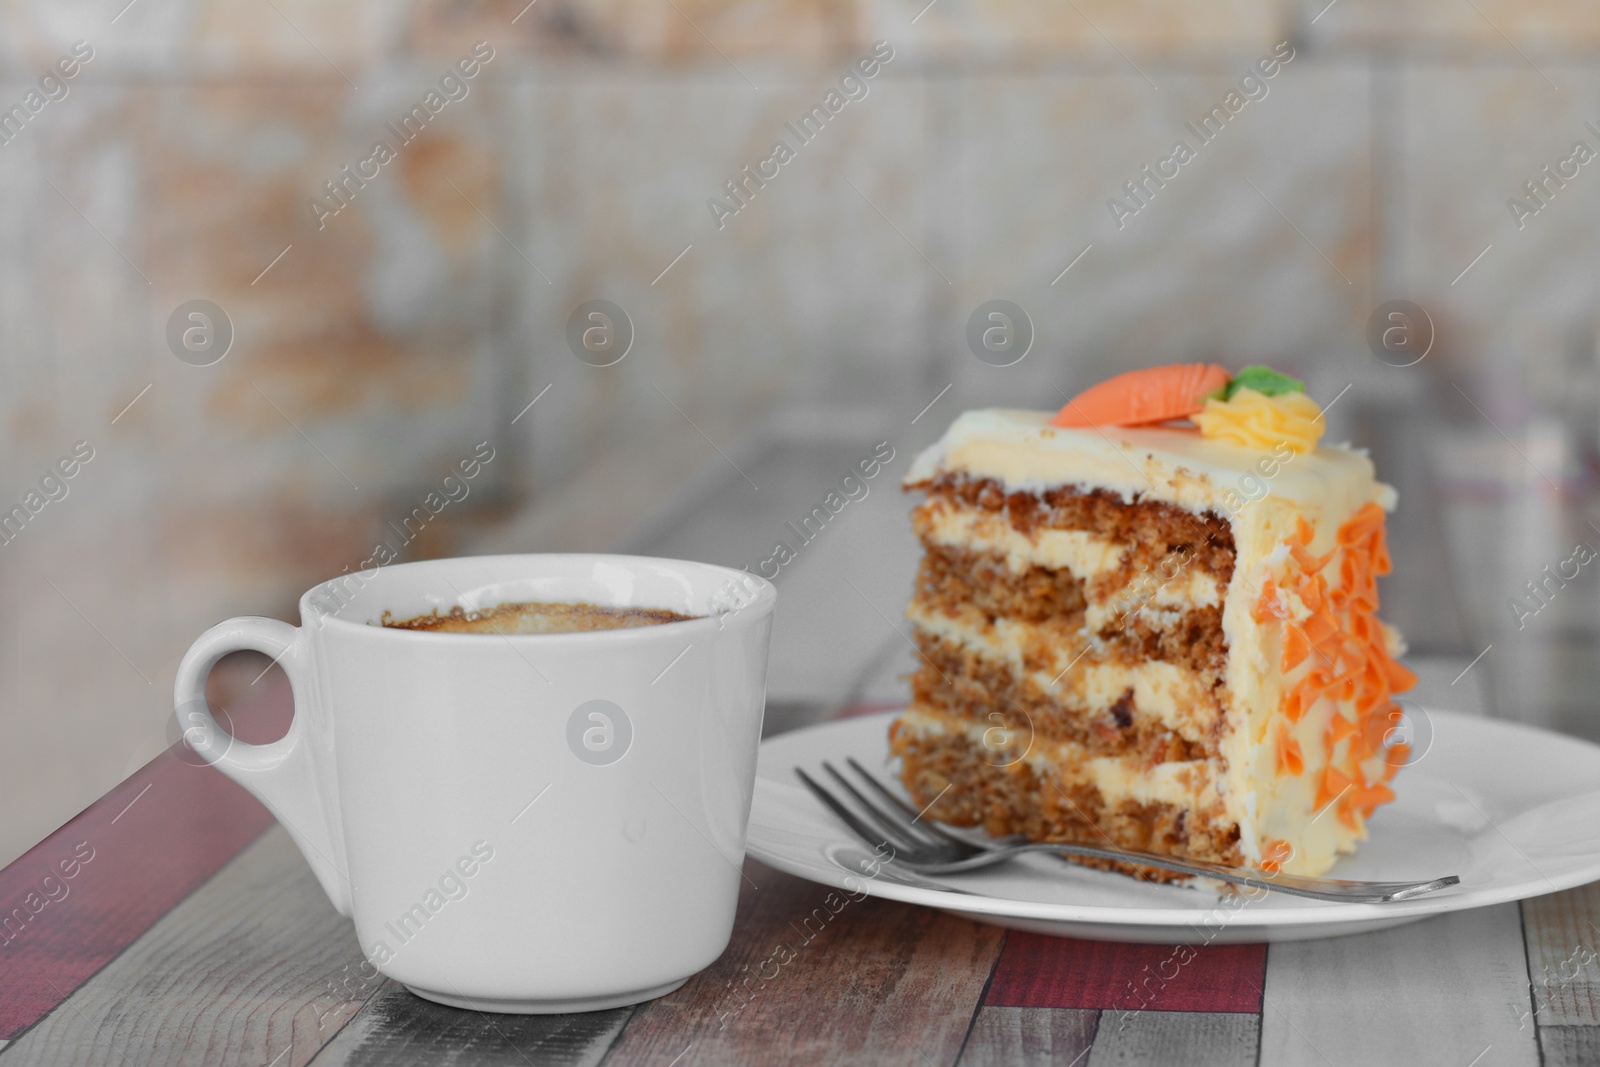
{"x": 1024, "y": 452}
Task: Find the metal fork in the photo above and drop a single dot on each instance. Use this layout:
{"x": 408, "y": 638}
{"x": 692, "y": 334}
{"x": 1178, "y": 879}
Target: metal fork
{"x": 924, "y": 847}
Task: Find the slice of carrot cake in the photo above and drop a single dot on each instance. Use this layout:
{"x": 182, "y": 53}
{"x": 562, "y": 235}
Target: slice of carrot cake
{"x": 1156, "y": 634}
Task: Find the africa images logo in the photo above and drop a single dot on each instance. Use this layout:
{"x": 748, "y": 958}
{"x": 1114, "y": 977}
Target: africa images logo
{"x": 599, "y": 732}
{"x": 852, "y": 87}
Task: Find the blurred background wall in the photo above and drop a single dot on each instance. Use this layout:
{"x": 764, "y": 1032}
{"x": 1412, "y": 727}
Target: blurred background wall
{"x": 376, "y": 346}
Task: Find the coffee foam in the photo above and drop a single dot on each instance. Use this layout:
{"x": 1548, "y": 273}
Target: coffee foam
{"x": 536, "y": 617}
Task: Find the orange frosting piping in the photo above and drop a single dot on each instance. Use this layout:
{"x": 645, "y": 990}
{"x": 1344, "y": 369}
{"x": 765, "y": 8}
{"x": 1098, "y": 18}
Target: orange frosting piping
{"x": 1331, "y": 787}
{"x": 1308, "y": 563}
{"x": 1289, "y": 759}
{"x": 1275, "y": 852}
{"x": 1361, "y": 526}
{"x": 1311, "y": 592}
{"x": 1343, "y": 629}
{"x": 1268, "y": 606}
{"x": 1365, "y": 799}
{"x": 1295, "y": 649}
{"x": 1339, "y": 728}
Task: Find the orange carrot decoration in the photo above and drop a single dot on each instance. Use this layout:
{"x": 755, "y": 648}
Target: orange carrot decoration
{"x": 1138, "y": 397}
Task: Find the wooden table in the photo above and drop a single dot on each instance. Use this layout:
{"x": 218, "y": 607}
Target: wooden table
{"x": 192, "y": 932}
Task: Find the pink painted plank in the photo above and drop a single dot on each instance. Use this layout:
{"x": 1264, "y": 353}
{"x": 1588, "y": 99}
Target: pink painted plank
{"x": 1038, "y": 971}
{"x": 73, "y": 902}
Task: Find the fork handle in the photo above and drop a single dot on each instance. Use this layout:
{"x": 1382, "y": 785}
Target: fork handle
{"x": 1331, "y": 889}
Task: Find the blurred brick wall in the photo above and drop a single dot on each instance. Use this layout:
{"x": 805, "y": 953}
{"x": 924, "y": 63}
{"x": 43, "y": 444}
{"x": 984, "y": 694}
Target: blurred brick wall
{"x": 372, "y": 352}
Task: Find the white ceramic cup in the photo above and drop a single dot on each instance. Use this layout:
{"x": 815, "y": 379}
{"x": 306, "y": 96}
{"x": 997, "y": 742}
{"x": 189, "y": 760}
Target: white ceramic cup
{"x": 526, "y": 823}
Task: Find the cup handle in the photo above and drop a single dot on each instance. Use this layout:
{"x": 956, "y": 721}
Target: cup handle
{"x": 283, "y": 775}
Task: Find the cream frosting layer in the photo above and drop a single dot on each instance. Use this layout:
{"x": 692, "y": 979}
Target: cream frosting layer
{"x": 1160, "y": 603}
{"x": 953, "y": 525}
{"x": 1182, "y": 784}
{"x": 1175, "y": 696}
{"x": 1090, "y": 558}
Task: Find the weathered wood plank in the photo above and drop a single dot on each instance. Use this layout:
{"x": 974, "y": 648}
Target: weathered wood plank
{"x": 1570, "y": 1046}
{"x": 1029, "y": 1037}
{"x": 814, "y": 976}
{"x": 1039, "y": 971}
{"x": 82, "y": 895}
{"x": 1438, "y": 991}
{"x": 254, "y": 968}
{"x": 398, "y": 1029}
{"x": 1563, "y": 938}
{"x": 1192, "y": 1038}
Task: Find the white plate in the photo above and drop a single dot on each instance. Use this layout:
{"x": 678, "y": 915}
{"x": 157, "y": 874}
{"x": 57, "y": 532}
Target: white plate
{"x": 1513, "y": 810}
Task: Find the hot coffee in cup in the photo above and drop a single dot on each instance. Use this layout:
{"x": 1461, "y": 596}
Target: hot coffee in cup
{"x": 536, "y": 617}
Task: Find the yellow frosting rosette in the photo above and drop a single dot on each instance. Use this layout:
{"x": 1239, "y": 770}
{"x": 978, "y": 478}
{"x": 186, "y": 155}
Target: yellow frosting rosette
{"x": 1261, "y": 422}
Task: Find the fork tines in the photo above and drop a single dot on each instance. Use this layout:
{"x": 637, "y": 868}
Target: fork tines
{"x": 883, "y": 818}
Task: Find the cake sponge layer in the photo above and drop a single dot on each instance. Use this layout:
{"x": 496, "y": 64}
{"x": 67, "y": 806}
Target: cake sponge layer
{"x": 967, "y": 776}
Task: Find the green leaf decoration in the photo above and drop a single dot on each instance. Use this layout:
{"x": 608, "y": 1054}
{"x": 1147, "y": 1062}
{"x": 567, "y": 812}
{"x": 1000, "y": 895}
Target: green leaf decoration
{"x": 1263, "y": 380}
